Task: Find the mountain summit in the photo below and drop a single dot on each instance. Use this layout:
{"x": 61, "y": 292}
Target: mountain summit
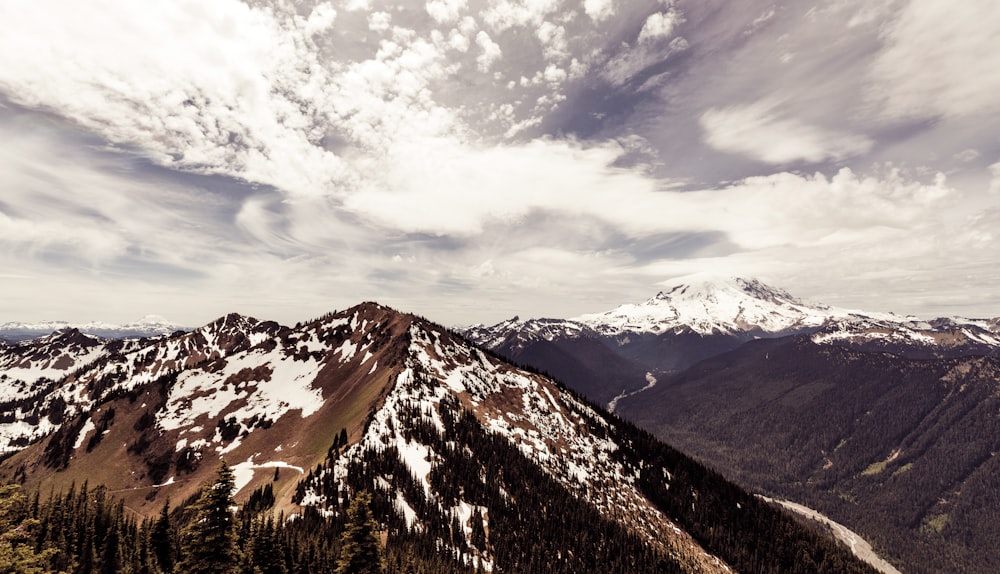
{"x": 714, "y": 305}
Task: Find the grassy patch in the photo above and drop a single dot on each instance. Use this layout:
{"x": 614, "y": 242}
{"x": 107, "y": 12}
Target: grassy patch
{"x": 874, "y": 468}
{"x": 935, "y": 524}
{"x": 903, "y": 468}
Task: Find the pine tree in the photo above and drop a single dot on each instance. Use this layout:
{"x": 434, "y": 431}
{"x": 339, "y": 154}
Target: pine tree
{"x": 208, "y": 542}
{"x": 266, "y": 548}
{"x": 17, "y": 553}
{"x": 360, "y": 551}
{"x": 162, "y": 540}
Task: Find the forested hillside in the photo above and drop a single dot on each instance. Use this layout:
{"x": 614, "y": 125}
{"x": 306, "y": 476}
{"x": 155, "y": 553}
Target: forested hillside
{"x": 903, "y": 450}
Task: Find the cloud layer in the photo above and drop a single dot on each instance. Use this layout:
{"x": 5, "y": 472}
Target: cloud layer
{"x": 471, "y": 159}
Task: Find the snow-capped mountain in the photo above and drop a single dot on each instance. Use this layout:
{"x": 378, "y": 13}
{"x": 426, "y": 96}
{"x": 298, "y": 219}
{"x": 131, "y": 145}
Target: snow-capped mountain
{"x": 493, "y": 463}
{"x": 148, "y": 326}
{"x": 46, "y": 380}
{"x": 734, "y": 306}
{"x": 606, "y": 354}
{"x": 716, "y": 306}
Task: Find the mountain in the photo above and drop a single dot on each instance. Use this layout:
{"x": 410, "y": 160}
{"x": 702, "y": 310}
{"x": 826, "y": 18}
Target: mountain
{"x": 618, "y": 352}
{"x": 468, "y": 457}
{"x": 887, "y": 424}
{"x": 710, "y": 305}
{"x": 609, "y": 354}
{"x": 148, "y": 326}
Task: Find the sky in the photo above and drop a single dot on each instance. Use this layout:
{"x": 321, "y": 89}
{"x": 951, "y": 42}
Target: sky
{"x": 469, "y": 160}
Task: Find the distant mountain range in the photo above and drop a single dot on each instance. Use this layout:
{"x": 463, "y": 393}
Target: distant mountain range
{"x": 472, "y": 462}
{"x": 148, "y": 326}
{"x": 886, "y": 423}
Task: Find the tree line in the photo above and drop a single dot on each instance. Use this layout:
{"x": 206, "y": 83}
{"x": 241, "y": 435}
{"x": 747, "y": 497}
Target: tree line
{"x": 85, "y": 531}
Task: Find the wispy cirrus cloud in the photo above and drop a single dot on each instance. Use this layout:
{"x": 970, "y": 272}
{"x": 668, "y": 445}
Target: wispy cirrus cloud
{"x": 938, "y": 60}
{"x": 759, "y": 131}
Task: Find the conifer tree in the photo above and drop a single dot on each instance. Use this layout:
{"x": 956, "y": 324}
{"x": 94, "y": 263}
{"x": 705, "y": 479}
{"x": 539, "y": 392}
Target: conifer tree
{"x": 265, "y": 548}
{"x": 208, "y": 542}
{"x": 360, "y": 551}
{"x": 17, "y": 553}
{"x": 162, "y": 540}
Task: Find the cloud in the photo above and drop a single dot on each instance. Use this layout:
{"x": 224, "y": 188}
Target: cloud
{"x": 939, "y": 60}
{"x": 445, "y": 11}
{"x": 658, "y": 25}
{"x": 490, "y": 51}
{"x": 238, "y": 96}
{"x": 357, "y": 5}
{"x": 790, "y": 209}
{"x": 321, "y": 19}
{"x": 599, "y": 10}
{"x": 507, "y": 14}
{"x": 87, "y": 242}
{"x": 265, "y": 156}
{"x": 967, "y": 155}
{"x": 424, "y": 188}
{"x": 758, "y": 131}
{"x": 630, "y": 63}
{"x": 553, "y": 39}
{"x": 995, "y": 182}
{"x": 379, "y": 21}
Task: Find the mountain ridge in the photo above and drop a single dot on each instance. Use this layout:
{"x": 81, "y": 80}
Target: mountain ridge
{"x": 370, "y": 398}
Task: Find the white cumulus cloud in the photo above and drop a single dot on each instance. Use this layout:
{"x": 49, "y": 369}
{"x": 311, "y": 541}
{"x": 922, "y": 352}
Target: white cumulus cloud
{"x": 489, "y": 51}
{"x": 599, "y": 10}
{"x": 658, "y": 25}
{"x": 445, "y": 11}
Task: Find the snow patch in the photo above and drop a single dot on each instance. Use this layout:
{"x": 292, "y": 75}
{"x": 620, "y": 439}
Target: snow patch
{"x": 244, "y": 471}
{"x": 87, "y": 427}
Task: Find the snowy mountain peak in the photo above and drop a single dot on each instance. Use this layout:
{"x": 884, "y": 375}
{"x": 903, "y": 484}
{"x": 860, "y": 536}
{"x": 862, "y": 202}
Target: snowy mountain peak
{"x": 713, "y": 287}
{"x": 713, "y": 305}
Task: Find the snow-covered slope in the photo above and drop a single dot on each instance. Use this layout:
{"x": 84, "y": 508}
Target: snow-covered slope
{"x": 159, "y": 406}
{"x": 938, "y": 338}
{"x": 519, "y": 332}
{"x": 565, "y": 437}
{"x": 23, "y": 366}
